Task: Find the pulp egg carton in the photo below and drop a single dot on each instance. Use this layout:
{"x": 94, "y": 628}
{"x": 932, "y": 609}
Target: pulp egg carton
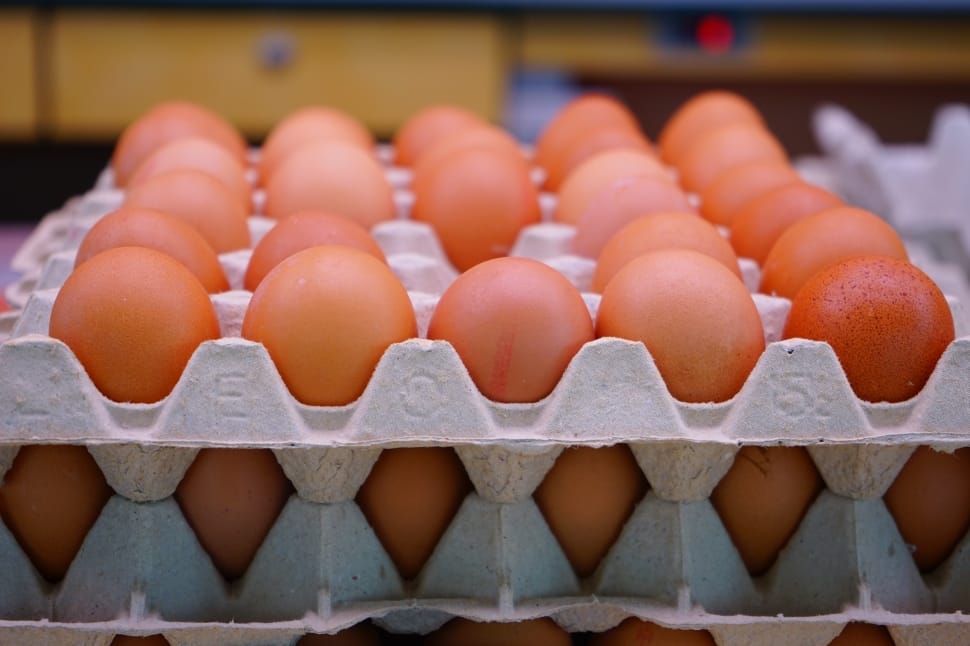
{"x": 322, "y": 568}
{"x": 922, "y": 189}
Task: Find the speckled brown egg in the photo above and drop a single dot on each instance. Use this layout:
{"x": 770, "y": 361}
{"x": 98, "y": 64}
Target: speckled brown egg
{"x": 887, "y": 322}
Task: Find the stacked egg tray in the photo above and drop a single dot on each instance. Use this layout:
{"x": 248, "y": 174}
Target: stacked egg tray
{"x": 141, "y": 570}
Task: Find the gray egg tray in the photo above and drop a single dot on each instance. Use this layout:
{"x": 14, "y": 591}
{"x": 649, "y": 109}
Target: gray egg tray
{"x": 141, "y": 571}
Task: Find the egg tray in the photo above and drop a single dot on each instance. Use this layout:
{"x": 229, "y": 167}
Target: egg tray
{"x": 498, "y": 558}
{"x": 674, "y": 562}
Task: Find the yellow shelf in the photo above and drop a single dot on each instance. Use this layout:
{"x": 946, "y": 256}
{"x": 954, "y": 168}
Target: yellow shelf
{"x": 18, "y": 89}
{"x": 253, "y": 68}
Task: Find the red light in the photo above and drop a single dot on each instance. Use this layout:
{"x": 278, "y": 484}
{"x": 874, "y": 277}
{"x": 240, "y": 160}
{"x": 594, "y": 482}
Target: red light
{"x": 715, "y": 34}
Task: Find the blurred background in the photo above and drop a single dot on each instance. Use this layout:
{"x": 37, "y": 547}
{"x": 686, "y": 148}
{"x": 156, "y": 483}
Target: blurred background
{"x": 73, "y": 73}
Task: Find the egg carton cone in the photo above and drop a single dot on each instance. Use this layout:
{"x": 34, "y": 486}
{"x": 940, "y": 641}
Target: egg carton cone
{"x": 919, "y": 188}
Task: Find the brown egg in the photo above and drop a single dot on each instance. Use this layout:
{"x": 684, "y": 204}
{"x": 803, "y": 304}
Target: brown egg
{"x": 303, "y": 230}
{"x": 824, "y": 239}
{"x": 887, "y": 322}
{"x": 362, "y": 634}
{"x": 49, "y": 499}
{"x": 858, "y": 634}
{"x": 930, "y": 501}
{"x": 723, "y": 198}
{"x": 231, "y": 498}
{"x": 477, "y": 200}
{"x": 720, "y": 149}
{"x": 700, "y": 113}
{"x": 622, "y": 202}
{"x": 636, "y": 632}
{"x": 521, "y": 633}
{"x": 150, "y": 640}
{"x": 763, "y": 498}
{"x": 199, "y": 154}
{"x": 308, "y": 124}
{"x": 514, "y": 344}
{"x": 166, "y": 122}
{"x": 582, "y": 114}
{"x": 425, "y": 128}
{"x": 485, "y": 135}
{"x": 587, "y": 497}
{"x": 662, "y": 231}
{"x": 596, "y": 174}
{"x": 200, "y": 200}
{"x": 133, "y": 317}
{"x": 137, "y": 227}
{"x": 334, "y": 176}
{"x": 326, "y": 316}
{"x": 762, "y": 219}
{"x": 410, "y": 498}
{"x": 695, "y": 317}
{"x": 587, "y": 143}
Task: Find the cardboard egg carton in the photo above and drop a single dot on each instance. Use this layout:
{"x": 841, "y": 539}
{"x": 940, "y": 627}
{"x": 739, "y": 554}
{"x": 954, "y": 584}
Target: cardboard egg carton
{"x": 322, "y": 568}
{"x": 922, "y": 189}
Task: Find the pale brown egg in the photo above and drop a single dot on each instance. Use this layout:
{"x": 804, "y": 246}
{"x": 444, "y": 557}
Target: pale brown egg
{"x": 637, "y": 632}
{"x": 720, "y": 149}
{"x": 585, "y": 112}
{"x": 930, "y": 502}
{"x": 695, "y": 317}
{"x": 307, "y": 124}
{"x": 166, "y": 122}
{"x": 132, "y": 226}
{"x": 587, "y": 143}
{"x": 410, "y": 498}
{"x": 199, "y": 154}
{"x": 49, "y": 499}
{"x": 423, "y": 129}
{"x": 231, "y": 499}
{"x": 200, "y": 200}
{"x": 597, "y": 173}
{"x": 521, "y": 633}
{"x": 762, "y": 219}
{"x": 887, "y": 322}
{"x": 700, "y": 113}
{"x": 587, "y": 497}
{"x": 723, "y": 198}
{"x": 662, "y": 231}
{"x": 824, "y": 239}
{"x": 477, "y": 200}
{"x": 516, "y": 323}
{"x": 622, "y": 202}
{"x": 133, "y": 316}
{"x": 333, "y": 176}
{"x": 303, "y": 230}
{"x": 326, "y": 315}
{"x": 474, "y": 137}
{"x": 762, "y": 499}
